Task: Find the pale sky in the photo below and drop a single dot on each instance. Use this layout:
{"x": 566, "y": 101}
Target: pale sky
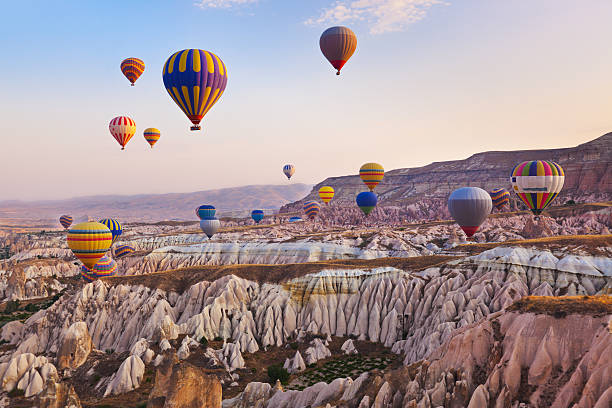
{"x": 430, "y": 81}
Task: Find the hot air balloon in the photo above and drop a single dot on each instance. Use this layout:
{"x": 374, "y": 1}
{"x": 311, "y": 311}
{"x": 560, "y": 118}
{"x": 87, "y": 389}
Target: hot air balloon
{"x": 152, "y": 135}
{"x": 500, "y": 197}
{"x": 289, "y": 169}
{"x": 470, "y": 206}
{"x": 537, "y": 183}
{"x": 205, "y": 211}
{"x": 210, "y": 226}
{"x": 123, "y": 250}
{"x": 132, "y": 68}
{"x": 89, "y": 241}
{"x": 326, "y": 193}
{"x": 122, "y": 128}
{"x": 311, "y": 208}
{"x": 295, "y": 219}
{"x": 195, "y": 80}
{"x": 366, "y": 201}
{"x": 104, "y": 267}
{"x": 338, "y": 45}
{"x": 371, "y": 174}
{"x": 114, "y": 226}
{"x": 257, "y": 215}
{"x": 66, "y": 221}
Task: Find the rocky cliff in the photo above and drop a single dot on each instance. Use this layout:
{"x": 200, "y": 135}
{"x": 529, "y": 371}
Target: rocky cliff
{"x": 588, "y": 169}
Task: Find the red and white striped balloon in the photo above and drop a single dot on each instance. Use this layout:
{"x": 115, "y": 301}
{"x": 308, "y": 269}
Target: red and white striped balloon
{"x": 122, "y": 128}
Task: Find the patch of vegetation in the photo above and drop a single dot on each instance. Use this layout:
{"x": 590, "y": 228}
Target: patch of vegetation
{"x": 218, "y": 338}
{"x": 294, "y": 345}
{"x": 16, "y": 393}
{"x": 109, "y": 351}
{"x": 277, "y": 372}
{"x": 204, "y": 341}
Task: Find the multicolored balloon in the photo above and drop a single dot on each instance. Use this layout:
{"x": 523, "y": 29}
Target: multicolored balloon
{"x": 210, "y": 226}
{"x": 132, "y": 68}
{"x": 366, "y": 201}
{"x": 123, "y": 250}
{"x": 114, "y": 226}
{"x": 295, "y": 219}
{"x": 326, "y": 193}
{"x": 65, "y": 221}
{"x": 537, "y": 183}
{"x": 470, "y": 207}
{"x": 371, "y": 174}
{"x": 206, "y": 211}
{"x": 122, "y": 128}
{"x": 152, "y": 135}
{"x": 89, "y": 241}
{"x": 289, "y": 169}
{"x": 195, "y": 80}
{"x": 257, "y": 215}
{"x": 500, "y": 197}
{"x": 312, "y": 208}
{"x": 338, "y": 45}
{"x": 104, "y": 267}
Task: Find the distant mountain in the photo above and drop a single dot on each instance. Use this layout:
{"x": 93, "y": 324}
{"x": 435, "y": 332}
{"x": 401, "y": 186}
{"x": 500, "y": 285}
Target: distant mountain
{"x": 236, "y": 201}
{"x": 588, "y": 170}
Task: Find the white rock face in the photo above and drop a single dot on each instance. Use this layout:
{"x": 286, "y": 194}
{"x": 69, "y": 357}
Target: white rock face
{"x": 349, "y": 347}
{"x": 74, "y": 346}
{"x": 317, "y": 351}
{"x": 127, "y": 378}
{"x": 295, "y": 364}
{"x": 231, "y": 356}
{"x": 183, "y": 351}
{"x": 26, "y": 372}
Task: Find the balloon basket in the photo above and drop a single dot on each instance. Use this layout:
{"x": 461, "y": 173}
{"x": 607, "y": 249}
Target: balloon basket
{"x": 195, "y": 127}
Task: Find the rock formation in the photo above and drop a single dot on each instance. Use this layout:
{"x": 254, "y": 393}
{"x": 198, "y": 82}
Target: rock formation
{"x": 127, "y": 378}
{"x": 74, "y": 346}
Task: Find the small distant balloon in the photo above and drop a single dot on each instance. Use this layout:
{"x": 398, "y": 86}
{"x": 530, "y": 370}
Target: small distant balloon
{"x": 89, "y": 241}
{"x": 295, "y": 219}
{"x": 289, "y": 169}
{"x": 210, "y": 226}
{"x": 312, "y": 208}
{"x": 132, "y": 68}
{"x": 206, "y": 211}
{"x": 152, "y": 135}
{"x": 338, "y": 45}
{"x": 371, "y": 174}
{"x": 65, "y": 221}
{"x": 114, "y": 226}
{"x": 366, "y": 201}
{"x": 326, "y": 193}
{"x": 469, "y": 207}
{"x": 123, "y": 250}
{"x": 537, "y": 183}
{"x": 257, "y": 215}
{"x": 500, "y": 197}
{"x": 104, "y": 267}
{"x": 122, "y": 128}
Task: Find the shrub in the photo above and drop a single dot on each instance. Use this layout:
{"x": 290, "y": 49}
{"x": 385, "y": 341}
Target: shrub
{"x": 276, "y": 372}
{"x": 570, "y": 202}
{"x": 254, "y": 370}
{"x": 218, "y": 338}
{"x": 294, "y": 345}
{"x": 204, "y": 341}
{"x": 16, "y": 392}
{"x": 109, "y": 351}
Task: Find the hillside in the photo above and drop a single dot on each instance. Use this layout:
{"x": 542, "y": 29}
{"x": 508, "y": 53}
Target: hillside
{"x": 588, "y": 169}
{"x": 154, "y": 207}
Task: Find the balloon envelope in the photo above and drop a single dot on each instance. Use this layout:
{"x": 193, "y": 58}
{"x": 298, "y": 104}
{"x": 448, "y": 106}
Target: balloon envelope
{"x": 65, "y": 221}
{"x": 469, "y": 207}
{"x": 311, "y": 208}
{"x": 537, "y": 183}
{"x": 123, "y": 250}
{"x": 289, "y": 169}
{"x": 338, "y": 45}
{"x": 210, "y": 226}
{"x": 371, "y": 174}
{"x": 295, "y": 219}
{"x": 89, "y": 241}
{"x": 326, "y": 193}
{"x": 132, "y": 68}
{"x": 366, "y": 201}
{"x": 122, "y": 128}
{"x": 104, "y": 267}
{"x": 114, "y": 226}
{"x": 257, "y": 215}
{"x": 206, "y": 211}
{"x": 500, "y": 197}
{"x": 195, "y": 80}
{"x": 152, "y": 135}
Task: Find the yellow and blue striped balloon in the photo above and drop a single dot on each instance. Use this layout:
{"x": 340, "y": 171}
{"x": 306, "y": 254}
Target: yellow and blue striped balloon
{"x": 152, "y": 135}
{"x": 123, "y": 250}
{"x": 66, "y": 221}
{"x": 89, "y": 241}
{"x": 195, "y": 80}
{"x": 500, "y": 197}
{"x": 371, "y": 174}
{"x": 104, "y": 267}
{"x": 114, "y": 226}
{"x": 311, "y": 208}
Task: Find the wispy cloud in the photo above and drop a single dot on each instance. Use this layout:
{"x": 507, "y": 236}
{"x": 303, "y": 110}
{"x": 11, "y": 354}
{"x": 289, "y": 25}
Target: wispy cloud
{"x": 223, "y": 3}
{"x": 382, "y": 16}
